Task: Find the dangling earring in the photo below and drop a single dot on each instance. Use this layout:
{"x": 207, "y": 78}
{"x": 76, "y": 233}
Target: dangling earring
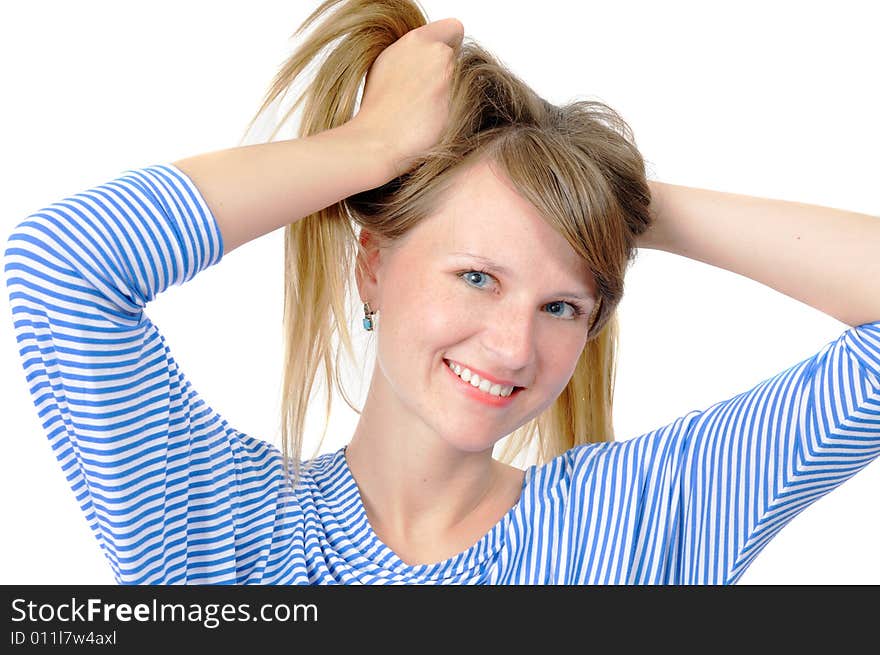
{"x": 368, "y": 320}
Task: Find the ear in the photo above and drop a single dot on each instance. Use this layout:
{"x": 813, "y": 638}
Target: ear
{"x": 368, "y": 268}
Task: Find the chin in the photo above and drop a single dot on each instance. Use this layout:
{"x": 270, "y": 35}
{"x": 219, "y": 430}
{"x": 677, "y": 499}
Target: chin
{"x": 476, "y": 443}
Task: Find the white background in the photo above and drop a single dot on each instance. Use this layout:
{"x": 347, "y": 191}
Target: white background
{"x": 772, "y": 99}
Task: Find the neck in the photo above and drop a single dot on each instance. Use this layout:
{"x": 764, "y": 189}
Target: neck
{"x": 418, "y": 493}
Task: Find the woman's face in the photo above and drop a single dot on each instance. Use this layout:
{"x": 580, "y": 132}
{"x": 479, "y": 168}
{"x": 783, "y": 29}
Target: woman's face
{"x": 518, "y": 324}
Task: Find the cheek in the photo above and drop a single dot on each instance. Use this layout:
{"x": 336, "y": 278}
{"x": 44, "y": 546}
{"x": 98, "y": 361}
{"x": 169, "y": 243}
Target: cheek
{"x": 428, "y": 307}
{"x": 560, "y": 361}
{"x": 418, "y": 310}
{"x": 437, "y": 326}
{"x": 442, "y": 316}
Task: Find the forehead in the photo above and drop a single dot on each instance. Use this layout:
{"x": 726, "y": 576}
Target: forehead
{"x": 482, "y": 213}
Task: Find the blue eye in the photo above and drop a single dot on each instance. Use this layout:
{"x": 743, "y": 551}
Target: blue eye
{"x": 577, "y": 310}
{"x": 477, "y": 273}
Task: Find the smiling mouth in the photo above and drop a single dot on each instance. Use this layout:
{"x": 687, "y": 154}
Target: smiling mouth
{"x": 515, "y": 389}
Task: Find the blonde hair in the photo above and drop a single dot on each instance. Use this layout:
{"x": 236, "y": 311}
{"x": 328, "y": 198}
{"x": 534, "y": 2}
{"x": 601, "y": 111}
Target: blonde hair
{"x": 577, "y": 164}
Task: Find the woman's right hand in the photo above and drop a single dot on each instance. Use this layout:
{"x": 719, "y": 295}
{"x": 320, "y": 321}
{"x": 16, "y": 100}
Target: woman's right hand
{"x": 405, "y": 104}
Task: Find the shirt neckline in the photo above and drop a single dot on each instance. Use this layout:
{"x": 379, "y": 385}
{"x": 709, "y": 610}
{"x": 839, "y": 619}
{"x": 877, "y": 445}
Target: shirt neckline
{"x": 473, "y": 557}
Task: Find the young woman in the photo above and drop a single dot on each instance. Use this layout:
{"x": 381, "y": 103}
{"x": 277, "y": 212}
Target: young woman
{"x": 489, "y": 233}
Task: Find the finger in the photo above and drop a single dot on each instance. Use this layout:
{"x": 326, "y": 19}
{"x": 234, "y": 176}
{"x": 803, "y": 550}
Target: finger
{"x": 448, "y": 30}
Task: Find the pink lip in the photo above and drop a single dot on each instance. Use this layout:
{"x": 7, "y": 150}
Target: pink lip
{"x": 481, "y": 396}
{"x": 485, "y": 376}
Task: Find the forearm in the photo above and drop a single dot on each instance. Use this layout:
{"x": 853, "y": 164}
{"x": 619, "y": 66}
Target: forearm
{"x": 827, "y": 258}
{"x": 253, "y": 190}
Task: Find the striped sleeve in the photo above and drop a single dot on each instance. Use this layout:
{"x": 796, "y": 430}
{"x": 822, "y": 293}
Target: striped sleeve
{"x": 707, "y": 492}
{"x": 163, "y": 480}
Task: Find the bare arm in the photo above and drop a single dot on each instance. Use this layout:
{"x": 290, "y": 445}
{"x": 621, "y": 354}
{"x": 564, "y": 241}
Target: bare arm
{"x": 826, "y": 258}
{"x": 253, "y": 190}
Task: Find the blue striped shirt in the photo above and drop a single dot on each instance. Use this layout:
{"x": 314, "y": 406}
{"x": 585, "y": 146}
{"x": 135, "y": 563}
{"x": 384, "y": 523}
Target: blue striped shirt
{"x": 174, "y": 494}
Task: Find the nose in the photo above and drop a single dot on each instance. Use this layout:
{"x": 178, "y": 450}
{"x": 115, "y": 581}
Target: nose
{"x": 509, "y": 338}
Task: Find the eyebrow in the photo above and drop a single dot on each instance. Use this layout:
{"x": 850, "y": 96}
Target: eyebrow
{"x": 498, "y": 268}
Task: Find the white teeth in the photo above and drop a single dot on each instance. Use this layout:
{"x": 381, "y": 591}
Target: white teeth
{"x": 475, "y": 381}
